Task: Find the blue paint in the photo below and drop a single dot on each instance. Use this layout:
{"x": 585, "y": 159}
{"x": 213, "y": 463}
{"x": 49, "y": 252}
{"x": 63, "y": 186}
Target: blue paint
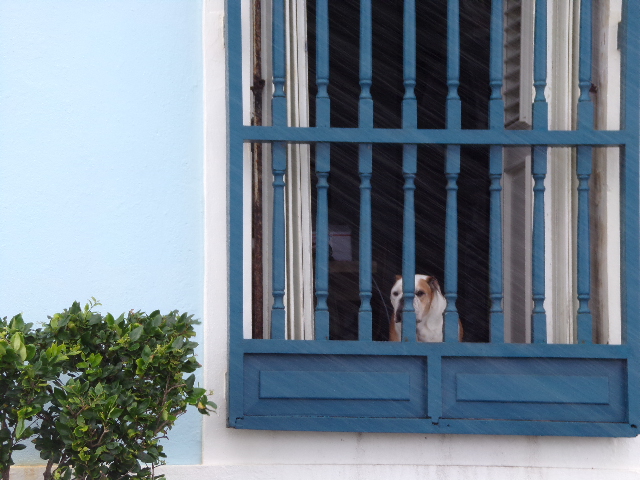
{"x": 323, "y": 167}
{"x": 365, "y": 170}
{"x": 540, "y": 106}
{"x": 585, "y": 320}
{"x": 451, "y": 136}
{"x": 452, "y": 171}
{"x": 538, "y": 315}
{"x": 101, "y": 158}
{"x": 409, "y": 171}
{"x": 493, "y": 388}
{"x": 330, "y": 385}
{"x": 279, "y": 168}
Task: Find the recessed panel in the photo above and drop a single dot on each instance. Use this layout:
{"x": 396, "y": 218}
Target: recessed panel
{"x": 547, "y": 389}
{"x": 335, "y": 386}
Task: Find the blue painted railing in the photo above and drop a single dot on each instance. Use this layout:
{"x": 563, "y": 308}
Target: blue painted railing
{"x": 539, "y": 172}
{"x": 409, "y": 171}
{"x": 323, "y": 167}
{"x": 452, "y": 172}
{"x": 365, "y": 114}
{"x": 427, "y": 374}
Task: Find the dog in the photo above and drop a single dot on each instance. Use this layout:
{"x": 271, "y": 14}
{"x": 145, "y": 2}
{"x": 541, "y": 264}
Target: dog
{"x": 429, "y": 304}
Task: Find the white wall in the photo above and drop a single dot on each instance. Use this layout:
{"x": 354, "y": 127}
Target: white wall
{"x": 248, "y": 454}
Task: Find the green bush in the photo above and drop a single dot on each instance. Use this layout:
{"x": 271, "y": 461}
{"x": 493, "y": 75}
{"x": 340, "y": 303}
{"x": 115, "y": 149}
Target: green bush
{"x": 107, "y": 390}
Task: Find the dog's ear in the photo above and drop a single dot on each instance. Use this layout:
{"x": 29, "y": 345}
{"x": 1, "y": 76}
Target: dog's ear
{"x": 433, "y": 283}
{"x": 398, "y": 277}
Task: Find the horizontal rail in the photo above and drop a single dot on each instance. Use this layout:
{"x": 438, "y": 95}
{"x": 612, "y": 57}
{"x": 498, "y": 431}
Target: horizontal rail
{"x": 554, "y": 138}
{"x": 444, "y": 349}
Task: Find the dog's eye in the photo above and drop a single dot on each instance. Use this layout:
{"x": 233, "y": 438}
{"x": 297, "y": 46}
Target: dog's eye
{"x": 419, "y": 293}
{"x": 395, "y": 294}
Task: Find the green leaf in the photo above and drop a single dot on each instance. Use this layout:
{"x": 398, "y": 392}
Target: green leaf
{"x": 17, "y": 323}
{"x": 146, "y": 353}
{"x": 177, "y": 343}
{"x": 20, "y": 427}
{"x": 115, "y": 413}
{"x": 98, "y": 389}
{"x": 18, "y": 446}
{"x": 136, "y": 333}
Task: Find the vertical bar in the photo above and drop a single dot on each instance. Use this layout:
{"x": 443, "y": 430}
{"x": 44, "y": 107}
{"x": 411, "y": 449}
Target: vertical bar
{"x": 540, "y": 106}
{"x": 452, "y": 171}
{"x": 409, "y": 170}
{"x": 496, "y": 122}
{"x": 495, "y": 245}
{"x": 538, "y": 314}
{"x": 539, "y": 171}
{"x": 434, "y": 392}
{"x": 630, "y": 188}
{"x": 323, "y": 166}
{"x": 279, "y": 168}
{"x": 630, "y": 197}
{"x": 279, "y": 164}
{"x": 454, "y": 105}
{"x": 235, "y": 166}
{"x": 585, "y": 320}
{"x": 365, "y": 167}
{"x": 584, "y": 167}
{"x": 585, "y": 105}
{"x": 279, "y": 102}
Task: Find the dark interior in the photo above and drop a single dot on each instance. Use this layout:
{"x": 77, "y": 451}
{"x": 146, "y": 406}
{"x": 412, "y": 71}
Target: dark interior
{"x": 387, "y": 180}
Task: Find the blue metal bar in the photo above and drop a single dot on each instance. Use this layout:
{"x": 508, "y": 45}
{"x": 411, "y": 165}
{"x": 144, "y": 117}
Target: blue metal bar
{"x": 629, "y": 166}
{"x": 365, "y": 170}
{"x": 496, "y": 122}
{"x": 585, "y": 105}
{"x": 539, "y": 168}
{"x": 323, "y": 103}
{"x": 556, "y": 138}
{"x": 584, "y": 168}
{"x": 538, "y": 316}
{"x": 409, "y": 102}
{"x": 495, "y": 245}
{"x": 323, "y": 167}
{"x": 434, "y": 392}
{"x": 409, "y": 170}
{"x": 585, "y": 320}
{"x": 279, "y": 101}
{"x": 441, "y": 349}
{"x": 452, "y": 171}
{"x": 540, "y": 106}
{"x": 630, "y": 45}
{"x": 365, "y": 313}
{"x": 323, "y": 159}
{"x": 279, "y": 168}
{"x": 454, "y": 105}
{"x": 496, "y": 102}
{"x": 236, "y": 199}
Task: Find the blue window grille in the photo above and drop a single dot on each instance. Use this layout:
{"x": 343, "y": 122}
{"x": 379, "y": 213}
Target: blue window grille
{"x": 537, "y": 388}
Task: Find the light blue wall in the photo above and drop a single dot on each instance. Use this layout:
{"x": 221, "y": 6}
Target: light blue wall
{"x": 101, "y": 162}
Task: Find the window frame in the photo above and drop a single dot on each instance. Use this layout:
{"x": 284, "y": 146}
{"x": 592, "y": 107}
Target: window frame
{"x": 252, "y": 363}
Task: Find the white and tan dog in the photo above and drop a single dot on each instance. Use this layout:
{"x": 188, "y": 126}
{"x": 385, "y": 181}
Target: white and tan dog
{"x": 429, "y": 304}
